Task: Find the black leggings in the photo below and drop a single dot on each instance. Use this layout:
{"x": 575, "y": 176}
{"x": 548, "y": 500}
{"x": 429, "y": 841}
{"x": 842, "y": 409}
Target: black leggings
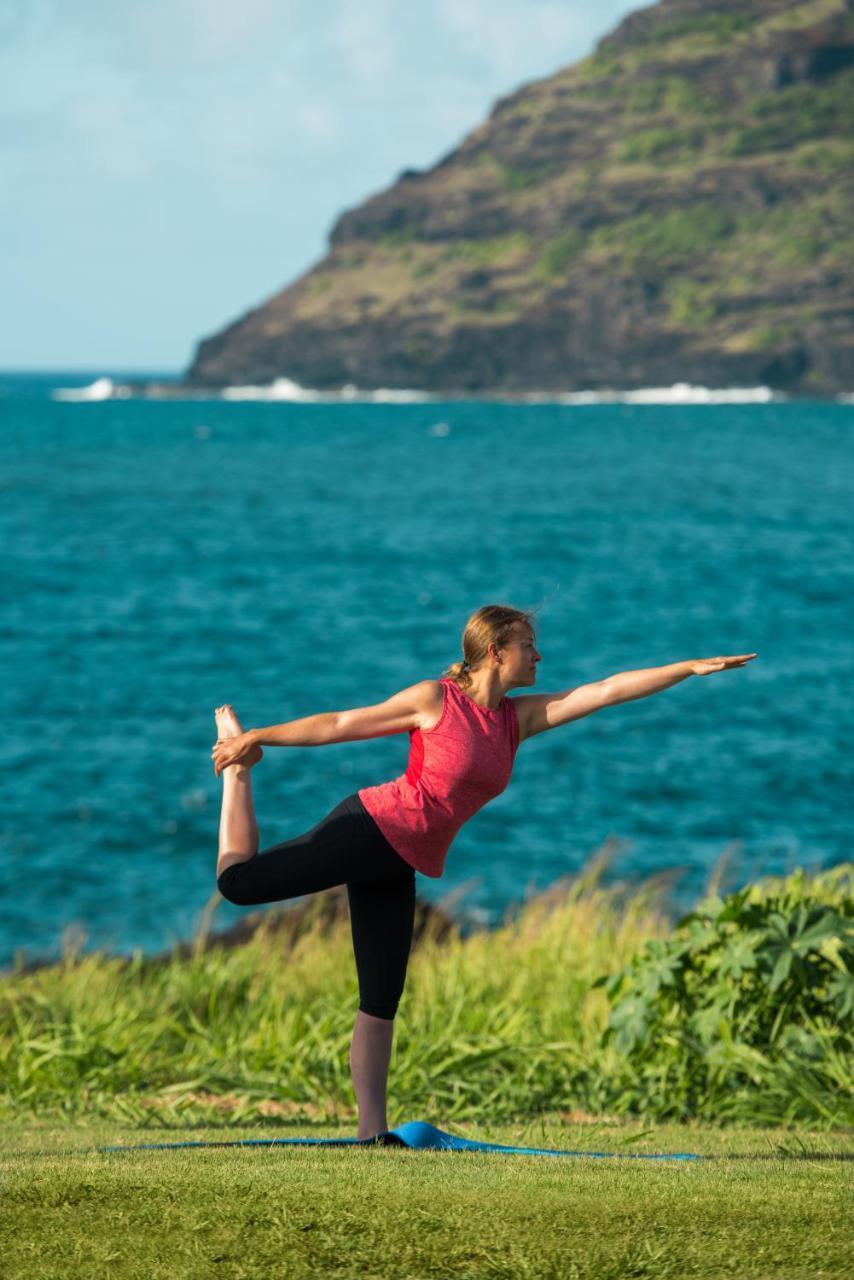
{"x": 346, "y": 847}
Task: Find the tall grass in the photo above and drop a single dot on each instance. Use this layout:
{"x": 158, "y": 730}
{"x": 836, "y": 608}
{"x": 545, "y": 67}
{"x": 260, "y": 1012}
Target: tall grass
{"x": 504, "y": 1024}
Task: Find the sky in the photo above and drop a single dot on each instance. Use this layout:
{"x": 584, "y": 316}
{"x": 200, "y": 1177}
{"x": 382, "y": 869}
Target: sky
{"x": 167, "y": 165}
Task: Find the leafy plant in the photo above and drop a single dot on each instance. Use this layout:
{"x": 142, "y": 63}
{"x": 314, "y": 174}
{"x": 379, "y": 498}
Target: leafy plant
{"x": 749, "y": 986}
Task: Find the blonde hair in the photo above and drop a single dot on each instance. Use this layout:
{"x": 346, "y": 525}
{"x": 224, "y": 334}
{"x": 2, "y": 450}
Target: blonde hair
{"x": 491, "y": 624}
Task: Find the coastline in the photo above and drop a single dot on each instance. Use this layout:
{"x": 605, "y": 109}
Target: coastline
{"x": 285, "y": 391}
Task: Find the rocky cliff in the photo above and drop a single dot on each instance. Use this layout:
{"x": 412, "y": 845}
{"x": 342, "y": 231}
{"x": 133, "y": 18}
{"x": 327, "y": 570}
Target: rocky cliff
{"x": 675, "y": 207}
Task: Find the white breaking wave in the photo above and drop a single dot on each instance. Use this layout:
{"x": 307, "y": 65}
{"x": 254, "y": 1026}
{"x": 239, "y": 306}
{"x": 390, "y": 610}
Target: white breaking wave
{"x": 678, "y": 393}
{"x": 279, "y": 389}
{"x": 285, "y": 389}
{"x": 100, "y": 389}
{"x": 388, "y": 395}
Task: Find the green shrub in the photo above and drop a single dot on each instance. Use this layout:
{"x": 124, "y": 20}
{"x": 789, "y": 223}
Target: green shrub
{"x": 691, "y": 305}
{"x": 795, "y": 234}
{"x": 703, "y": 29}
{"x": 798, "y": 113}
{"x": 836, "y": 155}
{"x": 516, "y": 179}
{"x": 743, "y": 1015}
{"x": 752, "y": 995}
{"x": 349, "y": 260}
{"x": 660, "y": 143}
{"x": 664, "y": 237}
{"x": 771, "y": 337}
{"x": 487, "y": 252}
{"x": 400, "y": 235}
{"x": 677, "y": 94}
{"x": 557, "y": 255}
{"x": 599, "y": 65}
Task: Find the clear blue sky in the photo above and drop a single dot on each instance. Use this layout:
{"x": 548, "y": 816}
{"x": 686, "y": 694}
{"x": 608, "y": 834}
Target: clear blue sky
{"x": 167, "y": 164}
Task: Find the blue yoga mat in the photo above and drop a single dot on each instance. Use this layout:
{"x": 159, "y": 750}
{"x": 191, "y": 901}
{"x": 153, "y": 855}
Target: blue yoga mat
{"x": 416, "y": 1135}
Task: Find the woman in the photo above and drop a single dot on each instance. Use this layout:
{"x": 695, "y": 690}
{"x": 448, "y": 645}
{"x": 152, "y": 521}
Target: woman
{"x": 464, "y": 732}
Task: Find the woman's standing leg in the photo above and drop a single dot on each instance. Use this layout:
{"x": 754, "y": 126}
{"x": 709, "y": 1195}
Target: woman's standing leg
{"x": 382, "y": 916}
{"x": 344, "y": 845}
{"x": 238, "y": 829}
{"x": 370, "y": 1057}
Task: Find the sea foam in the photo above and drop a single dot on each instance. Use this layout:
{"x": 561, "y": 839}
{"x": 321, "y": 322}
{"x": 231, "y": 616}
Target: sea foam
{"x": 279, "y": 389}
{"x": 678, "y": 393}
{"x": 100, "y": 389}
{"x": 285, "y": 390}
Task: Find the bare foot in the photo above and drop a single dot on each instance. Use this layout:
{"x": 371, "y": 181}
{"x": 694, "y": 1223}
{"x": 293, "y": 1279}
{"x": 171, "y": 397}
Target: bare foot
{"x": 228, "y": 726}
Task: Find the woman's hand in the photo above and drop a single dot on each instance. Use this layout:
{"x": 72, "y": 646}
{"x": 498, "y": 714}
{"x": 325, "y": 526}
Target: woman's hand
{"x": 228, "y": 751}
{"x": 705, "y": 666}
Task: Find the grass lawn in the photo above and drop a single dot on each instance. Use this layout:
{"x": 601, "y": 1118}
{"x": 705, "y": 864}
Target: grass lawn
{"x": 773, "y": 1203}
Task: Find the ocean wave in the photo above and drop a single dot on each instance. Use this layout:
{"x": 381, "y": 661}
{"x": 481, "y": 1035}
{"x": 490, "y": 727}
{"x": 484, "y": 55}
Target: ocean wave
{"x": 285, "y": 389}
{"x": 678, "y": 393}
{"x": 389, "y": 395}
{"x": 280, "y": 389}
{"x": 100, "y": 389}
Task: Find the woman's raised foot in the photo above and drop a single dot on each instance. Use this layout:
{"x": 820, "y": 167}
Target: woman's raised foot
{"x": 228, "y": 726}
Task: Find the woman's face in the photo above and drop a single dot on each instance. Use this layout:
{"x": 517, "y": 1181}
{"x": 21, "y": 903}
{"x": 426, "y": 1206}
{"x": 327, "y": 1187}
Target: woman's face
{"x": 521, "y": 656}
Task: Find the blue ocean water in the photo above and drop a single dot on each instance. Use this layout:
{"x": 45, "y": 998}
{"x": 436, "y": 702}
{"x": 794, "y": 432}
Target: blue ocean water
{"x": 163, "y": 557}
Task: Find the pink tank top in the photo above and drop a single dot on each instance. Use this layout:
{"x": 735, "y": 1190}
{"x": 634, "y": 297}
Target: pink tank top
{"x": 454, "y": 768}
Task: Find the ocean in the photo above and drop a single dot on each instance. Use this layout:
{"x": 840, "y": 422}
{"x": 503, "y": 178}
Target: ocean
{"x": 163, "y": 557}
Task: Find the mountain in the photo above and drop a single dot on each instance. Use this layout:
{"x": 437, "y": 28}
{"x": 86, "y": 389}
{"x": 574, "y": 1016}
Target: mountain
{"x": 675, "y": 207}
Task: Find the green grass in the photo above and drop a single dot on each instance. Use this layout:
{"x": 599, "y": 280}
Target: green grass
{"x": 669, "y": 143}
{"x": 506, "y": 1024}
{"x": 674, "y": 94}
{"x": 668, "y": 122}
{"x": 499, "y": 1037}
{"x": 799, "y": 15}
{"x": 673, "y": 236}
{"x": 401, "y": 236}
{"x": 512, "y": 178}
{"x": 795, "y": 114}
{"x": 691, "y": 305}
{"x": 557, "y": 254}
{"x": 770, "y": 1204}
{"x": 488, "y": 252}
{"x": 770, "y": 337}
{"x": 711, "y": 29}
{"x": 834, "y": 155}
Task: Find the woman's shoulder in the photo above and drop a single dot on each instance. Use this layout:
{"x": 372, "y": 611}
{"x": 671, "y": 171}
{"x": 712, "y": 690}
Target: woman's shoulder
{"x": 430, "y": 701}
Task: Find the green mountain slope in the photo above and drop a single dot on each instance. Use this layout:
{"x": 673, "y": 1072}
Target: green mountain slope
{"x": 675, "y": 207}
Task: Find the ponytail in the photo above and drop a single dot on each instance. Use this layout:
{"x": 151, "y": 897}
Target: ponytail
{"x": 459, "y": 672}
{"x": 491, "y": 624}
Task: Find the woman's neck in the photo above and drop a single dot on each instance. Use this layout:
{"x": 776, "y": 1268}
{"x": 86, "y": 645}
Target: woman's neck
{"x": 486, "y": 692}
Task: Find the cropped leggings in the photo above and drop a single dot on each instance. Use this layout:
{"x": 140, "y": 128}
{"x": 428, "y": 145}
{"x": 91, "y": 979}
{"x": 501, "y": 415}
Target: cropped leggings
{"x": 346, "y": 847}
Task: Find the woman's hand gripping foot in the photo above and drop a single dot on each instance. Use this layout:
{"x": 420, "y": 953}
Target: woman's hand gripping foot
{"x": 232, "y": 746}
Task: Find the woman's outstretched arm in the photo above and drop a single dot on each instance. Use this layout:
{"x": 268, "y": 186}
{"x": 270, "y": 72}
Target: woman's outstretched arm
{"x": 541, "y": 711}
{"x": 409, "y": 709}
{"x": 628, "y": 685}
